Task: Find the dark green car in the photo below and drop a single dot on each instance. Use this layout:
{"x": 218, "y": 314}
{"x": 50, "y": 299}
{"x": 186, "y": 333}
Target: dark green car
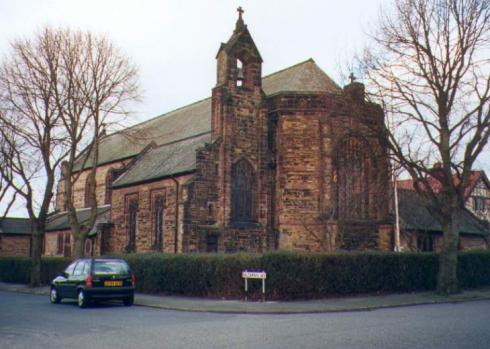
{"x": 95, "y": 279}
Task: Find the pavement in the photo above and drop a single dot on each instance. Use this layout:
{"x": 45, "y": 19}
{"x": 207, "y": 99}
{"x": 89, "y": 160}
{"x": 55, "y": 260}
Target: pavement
{"x": 338, "y": 304}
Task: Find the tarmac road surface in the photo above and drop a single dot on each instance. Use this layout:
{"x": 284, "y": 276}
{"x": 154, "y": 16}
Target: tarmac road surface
{"x": 30, "y": 321}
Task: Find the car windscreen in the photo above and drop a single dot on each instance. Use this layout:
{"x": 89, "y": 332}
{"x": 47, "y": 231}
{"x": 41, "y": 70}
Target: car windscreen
{"x": 110, "y": 267}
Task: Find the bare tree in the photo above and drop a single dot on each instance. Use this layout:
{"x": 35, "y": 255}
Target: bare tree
{"x": 31, "y": 146}
{"x": 56, "y": 93}
{"x": 98, "y": 83}
{"x": 429, "y": 68}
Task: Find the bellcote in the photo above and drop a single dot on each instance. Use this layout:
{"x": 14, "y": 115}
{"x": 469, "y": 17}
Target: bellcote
{"x": 239, "y": 60}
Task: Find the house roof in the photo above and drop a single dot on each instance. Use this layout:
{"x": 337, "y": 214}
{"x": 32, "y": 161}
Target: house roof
{"x": 59, "y": 221}
{"x": 168, "y": 159}
{"x": 475, "y": 177}
{"x": 15, "y": 226}
{"x": 195, "y": 119}
{"x": 415, "y": 216}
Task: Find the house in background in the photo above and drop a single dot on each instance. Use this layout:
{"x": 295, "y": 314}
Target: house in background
{"x": 58, "y": 237}
{"x": 15, "y": 237}
{"x": 477, "y": 194}
{"x": 420, "y": 231}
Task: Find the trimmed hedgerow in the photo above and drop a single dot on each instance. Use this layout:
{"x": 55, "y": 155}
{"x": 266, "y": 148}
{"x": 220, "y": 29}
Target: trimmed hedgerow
{"x": 474, "y": 269}
{"x": 300, "y": 275}
{"x": 289, "y": 275}
{"x": 18, "y": 269}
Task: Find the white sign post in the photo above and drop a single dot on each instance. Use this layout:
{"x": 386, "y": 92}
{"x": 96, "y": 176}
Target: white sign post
{"x": 261, "y": 275}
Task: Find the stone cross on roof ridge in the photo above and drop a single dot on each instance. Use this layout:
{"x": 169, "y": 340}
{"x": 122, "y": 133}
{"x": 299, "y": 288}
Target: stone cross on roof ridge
{"x": 352, "y": 77}
{"x": 239, "y": 23}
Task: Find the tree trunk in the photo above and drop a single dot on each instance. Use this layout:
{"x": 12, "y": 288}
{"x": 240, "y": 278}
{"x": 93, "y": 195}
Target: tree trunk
{"x": 79, "y": 246}
{"x": 447, "y": 279}
{"x": 36, "y": 252}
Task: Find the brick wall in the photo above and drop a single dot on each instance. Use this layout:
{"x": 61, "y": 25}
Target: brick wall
{"x": 468, "y": 242}
{"x": 408, "y": 241}
{"x": 15, "y": 245}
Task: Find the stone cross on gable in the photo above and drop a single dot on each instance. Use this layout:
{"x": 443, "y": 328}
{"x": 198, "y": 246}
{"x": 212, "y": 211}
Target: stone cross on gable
{"x": 352, "y": 77}
{"x": 240, "y": 11}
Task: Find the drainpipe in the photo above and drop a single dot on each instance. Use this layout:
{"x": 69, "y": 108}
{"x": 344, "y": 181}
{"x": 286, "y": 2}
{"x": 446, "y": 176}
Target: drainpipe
{"x": 397, "y": 216}
{"x": 176, "y": 232}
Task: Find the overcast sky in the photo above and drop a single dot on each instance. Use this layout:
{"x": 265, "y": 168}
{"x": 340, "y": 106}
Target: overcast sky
{"x": 174, "y": 43}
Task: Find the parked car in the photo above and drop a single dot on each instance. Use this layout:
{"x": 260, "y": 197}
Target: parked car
{"x": 95, "y": 279}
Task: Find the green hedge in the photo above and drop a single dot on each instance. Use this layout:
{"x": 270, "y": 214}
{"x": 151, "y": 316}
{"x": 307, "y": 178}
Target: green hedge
{"x": 18, "y": 269}
{"x": 301, "y": 275}
{"x": 289, "y": 275}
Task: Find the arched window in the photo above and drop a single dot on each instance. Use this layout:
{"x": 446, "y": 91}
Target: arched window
{"x": 132, "y": 218}
{"x": 109, "y": 178}
{"x": 243, "y": 188}
{"x": 352, "y": 177}
{"x": 158, "y": 223}
{"x": 89, "y": 188}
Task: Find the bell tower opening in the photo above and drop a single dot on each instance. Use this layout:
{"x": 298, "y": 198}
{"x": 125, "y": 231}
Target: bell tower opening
{"x": 240, "y": 74}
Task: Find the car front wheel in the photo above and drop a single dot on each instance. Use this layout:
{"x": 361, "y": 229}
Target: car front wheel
{"x": 54, "y": 296}
{"x": 82, "y": 299}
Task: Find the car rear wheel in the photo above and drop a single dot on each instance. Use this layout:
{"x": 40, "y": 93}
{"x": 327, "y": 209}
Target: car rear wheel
{"x": 82, "y": 299}
{"x": 54, "y": 296}
{"x": 128, "y": 301}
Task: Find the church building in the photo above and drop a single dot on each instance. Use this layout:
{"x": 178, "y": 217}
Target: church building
{"x": 283, "y": 161}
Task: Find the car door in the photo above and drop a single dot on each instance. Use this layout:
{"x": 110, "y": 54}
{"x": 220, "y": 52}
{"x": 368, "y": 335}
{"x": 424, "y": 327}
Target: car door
{"x": 75, "y": 279}
{"x": 62, "y": 281}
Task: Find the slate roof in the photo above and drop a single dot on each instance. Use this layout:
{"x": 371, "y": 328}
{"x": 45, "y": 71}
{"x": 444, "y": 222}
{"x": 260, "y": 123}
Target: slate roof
{"x": 195, "y": 119}
{"x": 59, "y": 221}
{"x": 159, "y": 162}
{"x": 15, "y": 226}
{"x": 415, "y": 216}
{"x": 305, "y": 77}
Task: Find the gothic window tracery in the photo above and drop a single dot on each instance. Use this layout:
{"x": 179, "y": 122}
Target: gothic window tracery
{"x": 353, "y": 170}
{"x": 243, "y": 188}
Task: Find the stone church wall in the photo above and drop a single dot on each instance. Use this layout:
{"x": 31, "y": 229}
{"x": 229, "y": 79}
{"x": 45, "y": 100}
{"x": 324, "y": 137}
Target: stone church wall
{"x": 308, "y": 129}
{"x": 117, "y": 239}
{"x": 79, "y": 189}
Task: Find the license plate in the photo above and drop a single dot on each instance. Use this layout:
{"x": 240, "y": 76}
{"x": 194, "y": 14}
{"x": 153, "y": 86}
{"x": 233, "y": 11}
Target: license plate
{"x": 113, "y": 283}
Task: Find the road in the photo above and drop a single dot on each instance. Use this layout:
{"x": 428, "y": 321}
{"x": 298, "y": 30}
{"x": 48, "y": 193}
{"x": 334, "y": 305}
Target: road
{"x": 30, "y": 321}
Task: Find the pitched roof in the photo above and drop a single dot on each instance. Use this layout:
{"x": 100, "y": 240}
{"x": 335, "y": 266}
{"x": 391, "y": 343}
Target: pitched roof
{"x": 194, "y": 119}
{"x": 159, "y": 162}
{"x": 15, "y": 226}
{"x": 415, "y": 216}
{"x": 436, "y": 186}
{"x": 304, "y": 77}
{"x": 59, "y": 221}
